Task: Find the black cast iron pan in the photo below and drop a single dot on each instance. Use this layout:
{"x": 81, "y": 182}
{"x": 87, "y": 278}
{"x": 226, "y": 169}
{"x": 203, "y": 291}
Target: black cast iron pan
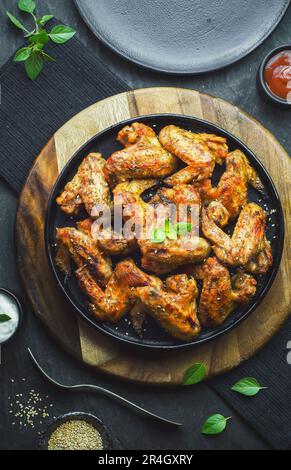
{"x": 154, "y": 337}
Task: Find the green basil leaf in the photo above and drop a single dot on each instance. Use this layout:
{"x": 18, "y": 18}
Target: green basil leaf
{"x": 22, "y": 55}
{"x": 61, "y": 34}
{"x": 170, "y": 231}
{"x": 183, "y": 227}
{"x": 215, "y": 424}
{"x": 16, "y": 22}
{"x": 158, "y": 235}
{"x": 167, "y": 226}
{"x": 248, "y": 386}
{"x": 34, "y": 66}
{"x": 38, "y": 47}
{"x": 41, "y": 38}
{"x": 194, "y": 374}
{"x": 4, "y": 318}
{"x": 26, "y": 5}
{"x": 47, "y": 57}
{"x": 45, "y": 19}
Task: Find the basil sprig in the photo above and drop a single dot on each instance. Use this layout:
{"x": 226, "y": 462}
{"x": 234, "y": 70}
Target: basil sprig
{"x": 194, "y": 374}
{"x": 215, "y": 424}
{"x": 248, "y": 387}
{"x": 171, "y": 231}
{"x": 4, "y": 318}
{"x": 33, "y": 55}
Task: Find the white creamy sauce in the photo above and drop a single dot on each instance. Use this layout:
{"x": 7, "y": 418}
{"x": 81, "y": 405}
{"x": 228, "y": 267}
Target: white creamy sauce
{"x": 8, "y": 307}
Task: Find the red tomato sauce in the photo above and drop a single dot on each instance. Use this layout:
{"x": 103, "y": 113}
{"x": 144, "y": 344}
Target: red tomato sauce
{"x": 278, "y": 74}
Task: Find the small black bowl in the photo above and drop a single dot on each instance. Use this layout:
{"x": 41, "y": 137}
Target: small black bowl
{"x": 262, "y": 85}
{"x": 19, "y": 304}
{"x": 91, "y": 419}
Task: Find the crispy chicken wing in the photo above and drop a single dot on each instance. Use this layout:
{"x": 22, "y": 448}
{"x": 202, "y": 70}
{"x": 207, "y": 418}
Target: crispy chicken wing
{"x": 173, "y": 307}
{"x": 118, "y": 297}
{"x": 127, "y": 197}
{"x": 167, "y": 256}
{"x": 218, "y": 213}
{"x": 128, "y": 194}
{"x": 260, "y": 263}
{"x": 232, "y": 189}
{"x": 199, "y": 151}
{"x": 143, "y": 156}
{"x": 111, "y": 245}
{"x": 180, "y": 194}
{"x": 88, "y": 187}
{"x": 109, "y": 305}
{"x": 247, "y": 241}
{"x": 220, "y": 294}
{"x": 84, "y": 251}
{"x": 181, "y": 202}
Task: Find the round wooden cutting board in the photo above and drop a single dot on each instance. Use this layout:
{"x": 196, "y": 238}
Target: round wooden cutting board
{"x": 47, "y": 300}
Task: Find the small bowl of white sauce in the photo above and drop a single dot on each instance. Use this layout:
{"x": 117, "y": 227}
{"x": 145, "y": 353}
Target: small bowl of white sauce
{"x": 11, "y": 313}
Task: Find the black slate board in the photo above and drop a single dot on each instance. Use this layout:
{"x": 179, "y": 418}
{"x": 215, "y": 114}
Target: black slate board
{"x": 184, "y": 37}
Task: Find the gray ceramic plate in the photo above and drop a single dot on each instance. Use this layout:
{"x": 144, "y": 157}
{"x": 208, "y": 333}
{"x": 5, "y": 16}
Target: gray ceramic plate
{"x": 184, "y": 36}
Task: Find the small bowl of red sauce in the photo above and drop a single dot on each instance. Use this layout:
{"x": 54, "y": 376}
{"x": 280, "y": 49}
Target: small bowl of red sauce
{"x": 274, "y": 76}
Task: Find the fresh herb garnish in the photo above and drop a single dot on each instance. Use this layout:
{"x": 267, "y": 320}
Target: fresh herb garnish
{"x": 33, "y": 55}
{"x": 171, "y": 231}
{"x": 158, "y": 235}
{"x": 248, "y": 386}
{"x": 4, "y": 318}
{"x": 183, "y": 228}
{"x": 194, "y": 374}
{"x": 215, "y": 424}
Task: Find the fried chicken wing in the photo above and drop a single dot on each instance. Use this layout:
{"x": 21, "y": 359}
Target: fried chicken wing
{"x": 111, "y": 245}
{"x": 199, "y": 151}
{"x": 143, "y": 156}
{"x": 168, "y": 255}
{"x": 218, "y": 213}
{"x": 247, "y": 241}
{"x": 185, "y": 175}
{"x": 165, "y": 257}
{"x": 181, "y": 202}
{"x": 232, "y": 189}
{"x": 118, "y": 297}
{"x": 173, "y": 307}
{"x": 88, "y": 187}
{"x": 127, "y": 197}
{"x": 128, "y": 194}
{"x": 109, "y": 305}
{"x": 220, "y": 295}
{"x": 179, "y": 194}
{"x": 261, "y": 263}
{"x": 84, "y": 251}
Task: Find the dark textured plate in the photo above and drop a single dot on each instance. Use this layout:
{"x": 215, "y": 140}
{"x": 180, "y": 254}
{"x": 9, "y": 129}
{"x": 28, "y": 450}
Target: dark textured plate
{"x": 185, "y": 36}
{"x": 154, "y": 336}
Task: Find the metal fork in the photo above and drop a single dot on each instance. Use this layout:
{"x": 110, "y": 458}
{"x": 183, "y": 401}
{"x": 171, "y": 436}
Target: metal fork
{"x": 102, "y": 391}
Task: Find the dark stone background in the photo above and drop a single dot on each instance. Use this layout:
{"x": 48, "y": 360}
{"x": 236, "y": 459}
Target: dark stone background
{"x": 191, "y": 405}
